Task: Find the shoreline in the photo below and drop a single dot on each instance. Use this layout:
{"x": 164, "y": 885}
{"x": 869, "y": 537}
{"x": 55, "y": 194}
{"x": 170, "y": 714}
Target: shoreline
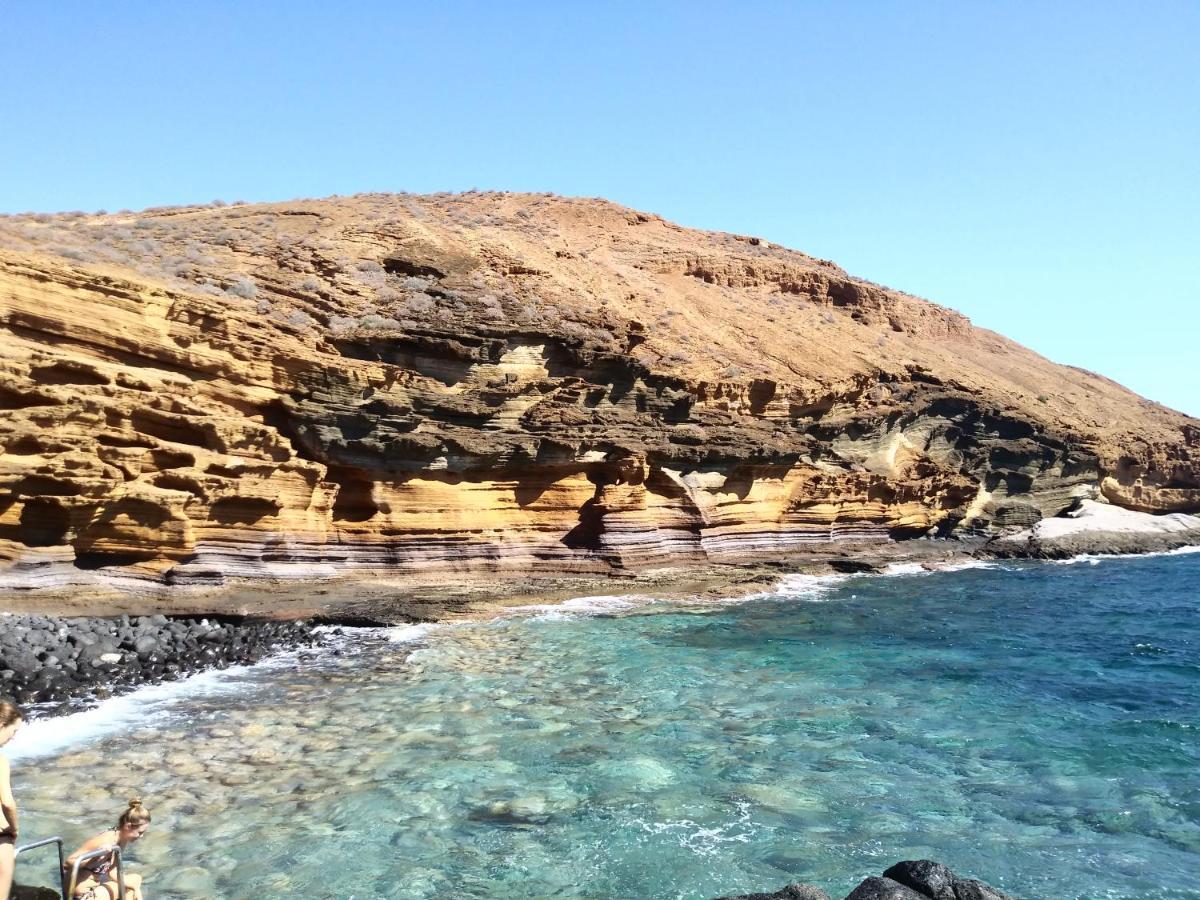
{"x": 361, "y": 597}
{"x": 60, "y": 662}
{"x": 57, "y": 666}
{"x": 148, "y": 651}
{"x": 63, "y": 653}
{"x": 177, "y": 701}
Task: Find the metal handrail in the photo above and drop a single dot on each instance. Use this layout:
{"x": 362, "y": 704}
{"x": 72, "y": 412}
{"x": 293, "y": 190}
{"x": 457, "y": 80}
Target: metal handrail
{"x": 114, "y": 850}
{"x": 62, "y": 866}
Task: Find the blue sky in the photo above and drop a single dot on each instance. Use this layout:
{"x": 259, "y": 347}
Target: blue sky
{"x": 1036, "y": 166}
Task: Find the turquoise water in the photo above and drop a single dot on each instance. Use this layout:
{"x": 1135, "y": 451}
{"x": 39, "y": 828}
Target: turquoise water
{"x": 1032, "y": 725}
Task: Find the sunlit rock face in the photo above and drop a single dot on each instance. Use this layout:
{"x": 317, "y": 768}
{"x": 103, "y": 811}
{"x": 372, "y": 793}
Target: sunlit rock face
{"x": 508, "y": 383}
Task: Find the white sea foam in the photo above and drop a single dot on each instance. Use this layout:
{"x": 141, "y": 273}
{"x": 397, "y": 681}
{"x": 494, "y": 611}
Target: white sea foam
{"x": 796, "y": 586}
{"x": 818, "y": 587}
{"x": 1093, "y": 559}
{"x": 805, "y": 587}
{"x": 409, "y": 634}
{"x": 600, "y": 605}
{"x": 144, "y": 706}
{"x": 603, "y": 603}
{"x": 1090, "y": 559}
{"x": 915, "y": 568}
{"x": 906, "y": 568}
{"x": 148, "y": 705}
{"x": 706, "y": 840}
{"x": 970, "y": 564}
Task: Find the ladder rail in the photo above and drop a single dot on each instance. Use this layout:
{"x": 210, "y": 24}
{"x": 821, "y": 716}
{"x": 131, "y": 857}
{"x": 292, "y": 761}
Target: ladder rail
{"x": 114, "y": 850}
{"x": 62, "y": 864}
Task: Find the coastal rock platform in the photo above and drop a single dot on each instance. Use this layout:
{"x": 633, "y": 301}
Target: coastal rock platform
{"x": 1099, "y": 529}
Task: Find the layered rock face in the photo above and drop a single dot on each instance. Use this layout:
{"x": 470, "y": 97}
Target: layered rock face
{"x": 508, "y": 383}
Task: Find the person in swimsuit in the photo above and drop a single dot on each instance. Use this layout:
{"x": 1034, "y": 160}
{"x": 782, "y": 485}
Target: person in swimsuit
{"x": 97, "y": 881}
{"x": 11, "y": 718}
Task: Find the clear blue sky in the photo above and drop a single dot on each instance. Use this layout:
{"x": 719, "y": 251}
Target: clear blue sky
{"x": 1034, "y": 165}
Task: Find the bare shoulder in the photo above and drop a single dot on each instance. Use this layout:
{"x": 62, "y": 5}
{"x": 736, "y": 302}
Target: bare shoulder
{"x": 95, "y": 842}
{"x": 3, "y": 765}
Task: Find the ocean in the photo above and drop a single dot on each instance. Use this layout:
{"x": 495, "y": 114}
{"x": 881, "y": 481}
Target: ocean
{"x": 1033, "y": 725}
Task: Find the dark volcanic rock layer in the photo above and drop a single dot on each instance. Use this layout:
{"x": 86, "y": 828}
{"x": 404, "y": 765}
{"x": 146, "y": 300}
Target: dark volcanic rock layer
{"x": 920, "y": 879}
{"x": 49, "y": 660}
{"x": 507, "y": 383}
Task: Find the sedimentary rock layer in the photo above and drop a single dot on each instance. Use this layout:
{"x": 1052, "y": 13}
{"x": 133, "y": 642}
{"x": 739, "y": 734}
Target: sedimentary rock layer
{"x": 493, "y": 382}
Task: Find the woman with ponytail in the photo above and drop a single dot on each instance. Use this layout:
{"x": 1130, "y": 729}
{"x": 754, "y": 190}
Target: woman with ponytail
{"x": 97, "y": 880}
{"x": 10, "y": 720}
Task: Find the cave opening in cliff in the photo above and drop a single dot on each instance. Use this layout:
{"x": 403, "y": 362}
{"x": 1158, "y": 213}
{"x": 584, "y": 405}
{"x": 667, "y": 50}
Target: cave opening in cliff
{"x": 530, "y": 487}
{"x": 174, "y": 429}
{"x": 587, "y": 534}
{"x": 679, "y": 411}
{"x": 762, "y": 392}
{"x": 44, "y": 523}
{"x": 243, "y": 510}
{"x": 355, "y": 500}
{"x": 91, "y": 560}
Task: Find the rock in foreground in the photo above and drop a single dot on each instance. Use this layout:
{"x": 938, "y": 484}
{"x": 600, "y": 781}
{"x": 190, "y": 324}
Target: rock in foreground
{"x": 920, "y": 879}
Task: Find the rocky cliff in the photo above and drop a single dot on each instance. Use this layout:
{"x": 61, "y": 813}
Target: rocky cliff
{"x": 508, "y": 383}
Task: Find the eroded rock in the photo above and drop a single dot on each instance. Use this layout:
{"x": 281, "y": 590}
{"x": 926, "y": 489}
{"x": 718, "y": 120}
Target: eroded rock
{"x": 507, "y": 383}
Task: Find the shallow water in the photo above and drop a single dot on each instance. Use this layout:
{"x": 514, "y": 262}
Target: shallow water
{"x": 1031, "y": 725}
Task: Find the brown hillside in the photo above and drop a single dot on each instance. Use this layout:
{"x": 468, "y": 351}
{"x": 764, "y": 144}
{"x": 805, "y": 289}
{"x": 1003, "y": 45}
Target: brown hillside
{"x": 508, "y": 382}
